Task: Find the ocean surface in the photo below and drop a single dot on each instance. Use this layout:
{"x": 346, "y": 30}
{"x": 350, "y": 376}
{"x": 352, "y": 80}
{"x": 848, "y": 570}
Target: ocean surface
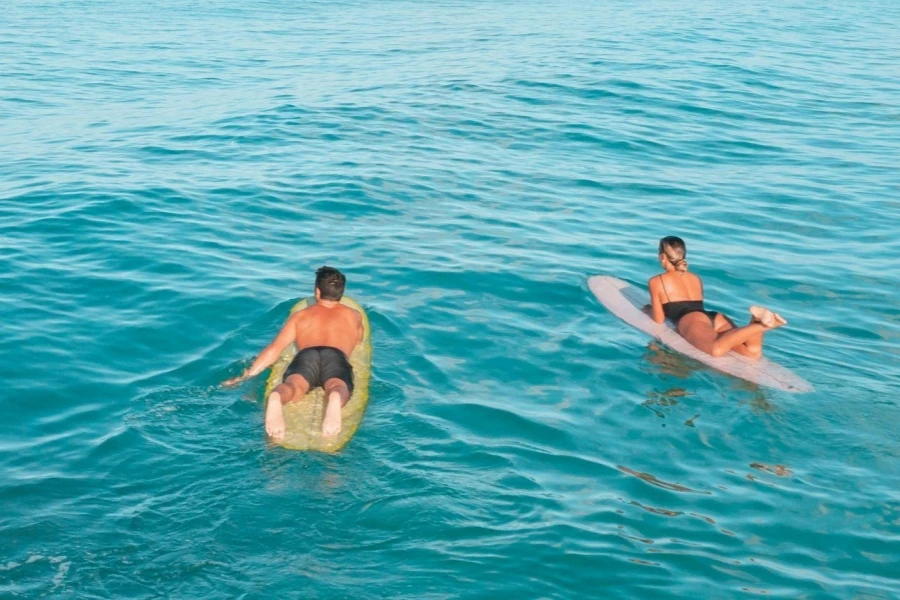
{"x": 173, "y": 172}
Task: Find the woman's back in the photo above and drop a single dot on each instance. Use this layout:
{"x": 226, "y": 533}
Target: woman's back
{"x": 681, "y": 286}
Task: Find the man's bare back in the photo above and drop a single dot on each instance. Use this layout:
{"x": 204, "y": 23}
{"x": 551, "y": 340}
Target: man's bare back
{"x": 327, "y": 324}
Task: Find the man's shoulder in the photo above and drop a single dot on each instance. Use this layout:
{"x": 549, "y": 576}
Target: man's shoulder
{"x": 354, "y": 314}
{"x": 346, "y": 308}
{"x": 301, "y": 314}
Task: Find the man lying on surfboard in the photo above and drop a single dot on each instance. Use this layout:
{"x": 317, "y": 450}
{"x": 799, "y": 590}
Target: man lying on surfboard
{"x": 325, "y": 333}
{"x": 678, "y": 296}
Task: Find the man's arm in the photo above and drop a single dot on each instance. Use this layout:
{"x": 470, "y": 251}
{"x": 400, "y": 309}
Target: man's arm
{"x": 270, "y": 353}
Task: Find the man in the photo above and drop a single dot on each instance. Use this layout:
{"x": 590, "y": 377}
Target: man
{"x": 325, "y": 333}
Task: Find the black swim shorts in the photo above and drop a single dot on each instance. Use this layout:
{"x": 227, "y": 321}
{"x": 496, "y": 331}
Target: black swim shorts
{"x": 319, "y": 364}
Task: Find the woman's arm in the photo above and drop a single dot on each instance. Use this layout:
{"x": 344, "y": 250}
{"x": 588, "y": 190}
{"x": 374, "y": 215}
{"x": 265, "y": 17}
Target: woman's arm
{"x": 656, "y": 310}
{"x": 270, "y": 353}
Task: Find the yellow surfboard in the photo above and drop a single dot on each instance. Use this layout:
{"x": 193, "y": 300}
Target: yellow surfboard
{"x": 303, "y": 418}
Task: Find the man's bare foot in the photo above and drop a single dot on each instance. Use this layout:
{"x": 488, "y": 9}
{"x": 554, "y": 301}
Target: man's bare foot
{"x": 331, "y": 424}
{"x": 275, "y": 417}
{"x": 766, "y": 317}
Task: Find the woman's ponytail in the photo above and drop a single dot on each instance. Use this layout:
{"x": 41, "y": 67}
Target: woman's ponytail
{"x": 674, "y": 250}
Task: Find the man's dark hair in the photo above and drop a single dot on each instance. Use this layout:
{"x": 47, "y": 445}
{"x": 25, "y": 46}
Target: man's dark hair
{"x": 330, "y": 283}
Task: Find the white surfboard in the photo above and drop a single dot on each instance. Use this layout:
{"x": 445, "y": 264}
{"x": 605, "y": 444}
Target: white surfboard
{"x": 625, "y": 301}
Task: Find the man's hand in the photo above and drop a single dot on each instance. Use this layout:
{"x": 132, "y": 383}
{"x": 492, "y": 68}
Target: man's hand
{"x": 234, "y": 380}
{"x": 270, "y": 353}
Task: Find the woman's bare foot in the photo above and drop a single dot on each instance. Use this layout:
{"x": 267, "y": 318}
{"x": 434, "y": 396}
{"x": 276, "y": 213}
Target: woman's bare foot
{"x": 331, "y": 424}
{"x": 766, "y": 317}
{"x": 275, "y": 417}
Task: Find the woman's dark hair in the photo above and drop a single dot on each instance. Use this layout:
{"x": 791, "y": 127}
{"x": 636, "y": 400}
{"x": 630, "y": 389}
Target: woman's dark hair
{"x": 330, "y": 283}
{"x": 675, "y": 251}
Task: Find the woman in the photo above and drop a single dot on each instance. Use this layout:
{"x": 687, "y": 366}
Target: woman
{"x": 678, "y": 296}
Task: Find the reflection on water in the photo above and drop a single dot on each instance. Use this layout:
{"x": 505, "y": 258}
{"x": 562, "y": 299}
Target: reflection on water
{"x": 657, "y": 511}
{"x": 779, "y": 470}
{"x": 670, "y": 362}
{"x": 757, "y": 400}
{"x": 661, "y": 402}
{"x": 666, "y": 485}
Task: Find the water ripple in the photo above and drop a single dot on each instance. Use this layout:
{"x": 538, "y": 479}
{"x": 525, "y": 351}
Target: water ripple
{"x": 172, "y": 173}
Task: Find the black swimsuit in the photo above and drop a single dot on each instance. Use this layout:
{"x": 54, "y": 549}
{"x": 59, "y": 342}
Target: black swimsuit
{"x": 675, "y": 311}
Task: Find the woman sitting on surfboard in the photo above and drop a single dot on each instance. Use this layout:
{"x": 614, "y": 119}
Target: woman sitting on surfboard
{"x": 678, "y": 296}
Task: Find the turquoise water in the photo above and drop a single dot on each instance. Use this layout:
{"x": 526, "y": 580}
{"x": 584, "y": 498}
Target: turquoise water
{"x": 171, "y": 173}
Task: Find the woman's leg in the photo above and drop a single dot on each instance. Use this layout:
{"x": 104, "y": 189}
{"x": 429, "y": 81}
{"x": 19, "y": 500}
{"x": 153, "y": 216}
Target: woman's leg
{"x": 751, "y": 348}
{"x": 739, "y": 339}
{"x": 699, "y": 331}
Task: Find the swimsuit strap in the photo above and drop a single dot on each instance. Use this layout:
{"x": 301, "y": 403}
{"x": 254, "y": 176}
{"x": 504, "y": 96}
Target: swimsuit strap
{"x": 663, "y": 282}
